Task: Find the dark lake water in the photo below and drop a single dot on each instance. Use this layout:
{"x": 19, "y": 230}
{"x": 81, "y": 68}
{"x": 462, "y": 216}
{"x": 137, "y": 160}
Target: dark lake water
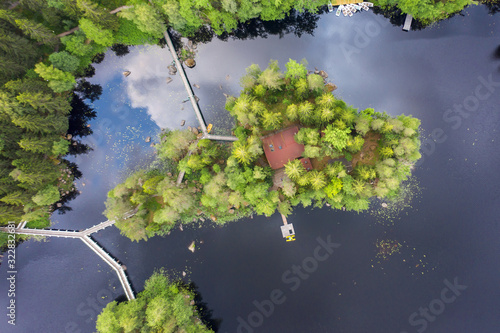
{"x": 449, "y": 225}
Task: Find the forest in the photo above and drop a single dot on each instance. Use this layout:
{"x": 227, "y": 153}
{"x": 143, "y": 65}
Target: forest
{"x": 355, "y": 155}
{"x": 163, "y": 306}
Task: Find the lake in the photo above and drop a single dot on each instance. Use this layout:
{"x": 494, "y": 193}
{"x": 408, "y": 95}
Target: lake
{"x": 447, "y": 75}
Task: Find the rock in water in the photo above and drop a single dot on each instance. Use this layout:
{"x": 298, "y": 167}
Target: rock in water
{"x": 190, "y": 63}
{"x": 148, "y": 139}
{"x": 169, "y": 79}
{"x": 323, "y": 74}
{"x": 331, "y": 87}
{"x": 127, "y": 73}
{"x": 192, "y": 247}
{"x": 171, "y": 70}
{"x": 183, "y": 122}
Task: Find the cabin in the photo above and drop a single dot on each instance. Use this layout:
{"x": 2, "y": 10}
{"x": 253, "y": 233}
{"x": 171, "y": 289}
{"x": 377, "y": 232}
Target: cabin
{"x": 281, "y": 147}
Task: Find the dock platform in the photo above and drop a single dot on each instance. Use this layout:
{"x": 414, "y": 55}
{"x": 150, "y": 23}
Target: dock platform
{"x": 287, "y": 230}
{"x": 408, "y": 20}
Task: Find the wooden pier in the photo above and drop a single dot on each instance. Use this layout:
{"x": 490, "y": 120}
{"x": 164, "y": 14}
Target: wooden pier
{"x": 191, "y": 95}
{"x": 408, "y": 20}
{"x": 287, "y": 230}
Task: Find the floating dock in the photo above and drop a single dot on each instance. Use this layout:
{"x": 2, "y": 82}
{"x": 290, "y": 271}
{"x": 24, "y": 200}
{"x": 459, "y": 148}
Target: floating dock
{"x": 287, "y": 230}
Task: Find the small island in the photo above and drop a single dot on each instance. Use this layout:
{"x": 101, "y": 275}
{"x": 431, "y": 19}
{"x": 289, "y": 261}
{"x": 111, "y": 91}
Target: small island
{"x": 163, "y": 306}
{"x": 297, "y": 144}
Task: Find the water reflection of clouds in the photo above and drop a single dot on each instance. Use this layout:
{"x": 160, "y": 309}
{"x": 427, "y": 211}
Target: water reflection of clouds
{"x": 146, "y": 87}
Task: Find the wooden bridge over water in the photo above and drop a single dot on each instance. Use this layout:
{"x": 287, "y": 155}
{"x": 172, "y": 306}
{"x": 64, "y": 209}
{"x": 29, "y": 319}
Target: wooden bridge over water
{"x": 84, "y": 235}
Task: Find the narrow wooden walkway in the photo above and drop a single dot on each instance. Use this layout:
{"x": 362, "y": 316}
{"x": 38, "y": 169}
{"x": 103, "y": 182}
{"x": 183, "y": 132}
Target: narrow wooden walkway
{"x": 84, "y": 235}
{"x": 185, "y": 80}
{"x": 120, "y": 271}
{"x": 191, "y": 96}
{"x": 219, "y": 137}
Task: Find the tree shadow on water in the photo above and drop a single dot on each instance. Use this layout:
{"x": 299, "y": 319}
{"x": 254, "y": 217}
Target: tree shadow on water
{"x": 206, "y": 315}
{"x": 295, "y": 22}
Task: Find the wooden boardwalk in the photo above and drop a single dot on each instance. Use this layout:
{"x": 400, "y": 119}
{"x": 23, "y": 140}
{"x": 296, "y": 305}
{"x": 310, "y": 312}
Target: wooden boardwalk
{"x": 185, "y": 80}
{"x": 191, "y": 96}
{"x": 84, "y": 235}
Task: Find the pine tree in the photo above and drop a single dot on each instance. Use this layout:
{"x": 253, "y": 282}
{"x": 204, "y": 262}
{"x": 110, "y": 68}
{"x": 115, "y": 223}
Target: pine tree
{"x": 317, "y": 179}
{"x": 64, "y": 61}
{"x": 98, "y": 15}
{"x": 296, "y": 71}
{"x": 45, "y": 102}
{"x": 42, "y": 144}
{"x": 17, "y": 47}
{"x": 38, "y": 124}
{"x": 294, "y": 169}
{"x": 241, "y": 153}
{"x": 271, "y": 120}
{"x": 147, "y": 19}
{"x": 96, "y": 32}
{"x": 37, "y": 31}
{"x": 16, "y": 198}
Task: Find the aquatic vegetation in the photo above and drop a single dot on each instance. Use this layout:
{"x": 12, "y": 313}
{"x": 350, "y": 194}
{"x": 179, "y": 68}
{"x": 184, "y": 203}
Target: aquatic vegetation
{"x": 395, "y": 208}
{"x": 399, "y": 255}
{"x": 387, "y": 248}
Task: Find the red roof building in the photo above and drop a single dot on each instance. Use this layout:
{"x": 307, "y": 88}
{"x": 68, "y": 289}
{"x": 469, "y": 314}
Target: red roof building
{"x": 281, "y": 147}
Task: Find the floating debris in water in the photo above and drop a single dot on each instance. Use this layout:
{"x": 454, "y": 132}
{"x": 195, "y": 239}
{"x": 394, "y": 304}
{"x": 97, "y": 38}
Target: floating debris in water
{"x": 196, "y": 86}
{"x": 387, "y": 215}
{"x": 192, "y": 247}
{"x": 387, "y": 248}
{"x": 228, "y": 77}
{"x": 394, "y": 253}
{"x": 183, "y": 122}
{"x": 127, "y": 73}
{"x": 169, "y": 79}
